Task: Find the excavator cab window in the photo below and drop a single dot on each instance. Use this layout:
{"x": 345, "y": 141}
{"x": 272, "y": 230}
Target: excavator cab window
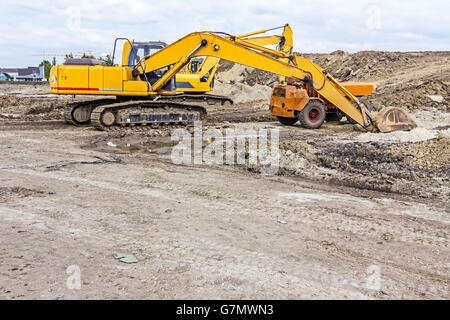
{"x": 205, "y": 78}
{"x": 194, "y": 65}
{"x": 141, "y": 49}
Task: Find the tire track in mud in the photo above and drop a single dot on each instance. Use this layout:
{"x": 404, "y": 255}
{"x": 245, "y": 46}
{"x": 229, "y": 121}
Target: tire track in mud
{"x": 258, "y": 270}
{"x": 244, "y": 263}
{"x": 256, "y": 201}
{"x": 390, "y": 230}
{"x": 333, "y": 215}
{"x": 347, "y": 223}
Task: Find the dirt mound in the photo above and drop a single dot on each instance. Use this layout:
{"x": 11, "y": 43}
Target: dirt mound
{"x": 364, "y": 65}
{"x": 428, "y": 154}
{"x": 374, "y": 166}
{"x": 394, "y": 164}
{"x": 13, "y": 107}
{"x": 414, "y": 95}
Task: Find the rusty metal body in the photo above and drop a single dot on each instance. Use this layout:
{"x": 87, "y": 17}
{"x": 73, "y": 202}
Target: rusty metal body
{"x": 394, "y": 119}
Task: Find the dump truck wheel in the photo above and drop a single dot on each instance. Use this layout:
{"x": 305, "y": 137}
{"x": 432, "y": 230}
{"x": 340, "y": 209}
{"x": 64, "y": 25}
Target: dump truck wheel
{"x": 366, "y": 104}
{"x": 287, "y": 121}
{"x": 313, "y": 115}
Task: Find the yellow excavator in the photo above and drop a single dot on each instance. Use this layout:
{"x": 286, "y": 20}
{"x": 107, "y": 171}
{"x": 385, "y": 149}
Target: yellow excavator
{"x": 308, "y": 90}
{"x": 189, "y": 85}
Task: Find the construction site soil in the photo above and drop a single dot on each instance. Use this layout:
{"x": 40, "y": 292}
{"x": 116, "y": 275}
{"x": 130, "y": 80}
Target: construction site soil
{"x": 348, "y": 214}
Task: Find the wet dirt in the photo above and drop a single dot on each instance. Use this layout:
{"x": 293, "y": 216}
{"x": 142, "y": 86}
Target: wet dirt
{"x": 202, "y": 231}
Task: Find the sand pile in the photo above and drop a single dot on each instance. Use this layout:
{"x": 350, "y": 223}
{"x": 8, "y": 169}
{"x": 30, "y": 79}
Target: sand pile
{"x": 230, "y": 73}
{"x": 242, "y": 93}
{"x": 233, "y": 82}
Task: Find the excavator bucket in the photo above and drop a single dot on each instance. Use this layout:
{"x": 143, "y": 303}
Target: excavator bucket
{"x": 394, "y": 119}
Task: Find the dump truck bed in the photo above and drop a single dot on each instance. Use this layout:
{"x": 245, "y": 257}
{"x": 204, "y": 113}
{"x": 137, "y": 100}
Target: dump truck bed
{"x": 360, "y": 89}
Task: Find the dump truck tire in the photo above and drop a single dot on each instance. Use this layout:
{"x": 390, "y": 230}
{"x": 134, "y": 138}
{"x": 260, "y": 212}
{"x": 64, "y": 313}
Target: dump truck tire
{"x": 287, "y": 121}
{"x": 312, "y": 115}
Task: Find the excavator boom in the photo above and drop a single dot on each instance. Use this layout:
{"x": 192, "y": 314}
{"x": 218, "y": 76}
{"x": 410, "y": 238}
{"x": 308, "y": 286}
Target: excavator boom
{"x": 202, "y": 79}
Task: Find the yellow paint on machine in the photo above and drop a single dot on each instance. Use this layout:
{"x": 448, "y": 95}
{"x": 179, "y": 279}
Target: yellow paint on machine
{"x": 95, "y": 80}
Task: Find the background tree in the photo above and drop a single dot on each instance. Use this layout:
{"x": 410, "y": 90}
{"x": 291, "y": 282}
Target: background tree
{"x": 47, "y": 66}
{"x": 68, "y": 56}
{"x": 85, "y": 56}
{"x": 107, "y": 60}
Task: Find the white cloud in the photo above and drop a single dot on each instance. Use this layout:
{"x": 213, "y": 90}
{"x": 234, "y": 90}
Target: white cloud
{"x": 320, "y": 26}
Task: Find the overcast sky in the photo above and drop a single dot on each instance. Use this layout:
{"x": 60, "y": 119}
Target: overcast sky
{"x": 31, "y": 27}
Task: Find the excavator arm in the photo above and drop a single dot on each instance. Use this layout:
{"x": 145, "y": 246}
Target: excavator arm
{"x": 285, "y": 41}
{"x": 232, "y": 48}
{"x": 210, "y": 64}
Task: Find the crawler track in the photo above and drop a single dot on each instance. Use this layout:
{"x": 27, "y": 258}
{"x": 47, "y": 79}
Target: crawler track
{"x": 163, "y": 110}
{"x": 145, "y": 113}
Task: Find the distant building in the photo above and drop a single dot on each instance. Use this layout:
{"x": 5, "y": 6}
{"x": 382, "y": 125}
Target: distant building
{"x": 5, "y": 77}
{"x": 20, "y": 74}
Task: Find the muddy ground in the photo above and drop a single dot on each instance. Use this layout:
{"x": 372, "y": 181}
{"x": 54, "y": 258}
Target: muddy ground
{"x": 348, "y": 214}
